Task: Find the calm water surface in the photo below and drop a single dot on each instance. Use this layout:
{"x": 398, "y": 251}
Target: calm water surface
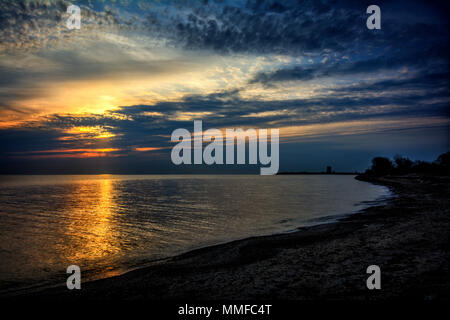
{"x": 108, "y": 224}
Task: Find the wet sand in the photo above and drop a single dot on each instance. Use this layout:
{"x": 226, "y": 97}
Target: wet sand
{"x": 408, "y": 238}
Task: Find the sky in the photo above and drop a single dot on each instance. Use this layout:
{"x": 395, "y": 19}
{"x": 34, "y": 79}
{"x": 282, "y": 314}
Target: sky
{"x": 106, "y": 98}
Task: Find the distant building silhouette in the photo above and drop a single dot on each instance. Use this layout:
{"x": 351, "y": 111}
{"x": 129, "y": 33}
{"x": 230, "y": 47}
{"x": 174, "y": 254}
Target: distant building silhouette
{"x": 329, "y": 169}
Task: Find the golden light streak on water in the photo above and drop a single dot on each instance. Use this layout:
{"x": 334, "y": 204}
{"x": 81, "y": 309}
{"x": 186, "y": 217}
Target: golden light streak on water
{"x": 93, "y": 230}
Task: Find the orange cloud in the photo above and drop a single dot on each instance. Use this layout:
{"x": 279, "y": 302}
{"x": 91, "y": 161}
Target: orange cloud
{"x": 148, "y": 149}
{"x": 70, "y": 153}
{"x": 78, "y": 150}
{"x": 95, "y": 132}
{"x": 74, "y": 155}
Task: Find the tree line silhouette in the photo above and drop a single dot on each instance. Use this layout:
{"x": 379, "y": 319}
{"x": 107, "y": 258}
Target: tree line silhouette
{"x": 401, "y": 165}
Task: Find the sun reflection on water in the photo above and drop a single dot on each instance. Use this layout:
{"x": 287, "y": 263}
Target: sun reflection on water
{"x": 92, "y": 227}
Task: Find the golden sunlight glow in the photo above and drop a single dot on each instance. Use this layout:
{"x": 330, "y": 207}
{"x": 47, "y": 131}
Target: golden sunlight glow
{"x": 101, "y": 94}
{"x": 70, "y": 153}
{"x": 94, "y": 234}
{"x": 144, "y": 149}
{"x": 95, "y": 132}
{"x": 78, "y": 150}
{"x": 188, "y": 116}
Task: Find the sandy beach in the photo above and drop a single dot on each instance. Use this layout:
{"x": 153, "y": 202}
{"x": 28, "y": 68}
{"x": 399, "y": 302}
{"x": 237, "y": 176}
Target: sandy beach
{"x": 408, "y": 238}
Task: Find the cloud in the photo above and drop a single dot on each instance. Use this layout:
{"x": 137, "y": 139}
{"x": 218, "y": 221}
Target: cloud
{"x": 138, "y": 70}
{"x": 150, "y": 126}
{"x": 431, "y": 59}
{"x": 32, "y": 25}
{"x": 95, "y": 74}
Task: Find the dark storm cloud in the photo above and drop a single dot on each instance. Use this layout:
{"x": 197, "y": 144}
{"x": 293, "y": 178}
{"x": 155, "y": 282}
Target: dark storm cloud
{"x": 265, "y": 27}
{"x": 414, "y": 35}
{"x": 294, "y": 28}
{"x": 27, "y": 139}
{"x": 436, "y": 82}
{"x": 431, "y": 59}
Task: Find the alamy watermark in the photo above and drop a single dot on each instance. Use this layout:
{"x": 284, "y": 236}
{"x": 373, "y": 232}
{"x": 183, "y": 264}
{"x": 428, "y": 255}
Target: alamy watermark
{"x": 374, "y": 280}
{"x": 213, "y": 153}
{"x": 74, "y": 20}
{"x": 374, "y": 20}
{"x": 74, "y": 280}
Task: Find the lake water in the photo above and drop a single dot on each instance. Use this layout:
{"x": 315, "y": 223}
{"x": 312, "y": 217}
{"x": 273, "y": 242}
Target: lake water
{"x": 108, "y": 224}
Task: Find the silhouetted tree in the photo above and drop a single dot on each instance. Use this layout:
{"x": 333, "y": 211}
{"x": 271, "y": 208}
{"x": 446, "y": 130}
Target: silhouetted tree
{"x": 423, "y": 167}
{"x": 443, "y": 160}
{"x": 443, "y": 163}
{"x": 402, "y": 165}
{"x": 381, "y": 166}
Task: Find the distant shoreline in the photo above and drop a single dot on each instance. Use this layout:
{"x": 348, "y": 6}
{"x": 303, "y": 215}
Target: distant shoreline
{"x": 406, "y": 237}
{"x": 319, "y": 173}
{"x": 176, "y": 174}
